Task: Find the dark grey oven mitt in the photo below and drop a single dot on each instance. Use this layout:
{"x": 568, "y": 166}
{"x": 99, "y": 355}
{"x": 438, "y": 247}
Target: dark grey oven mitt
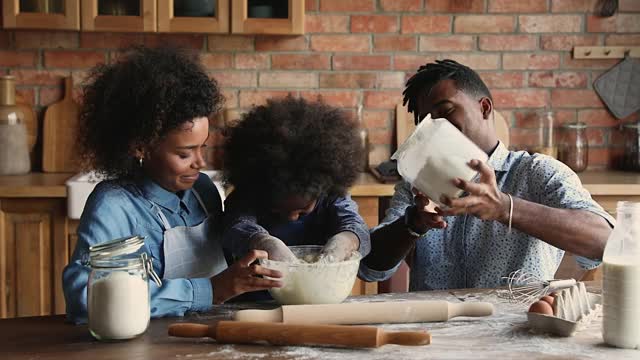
{"x": 619, "y": 88}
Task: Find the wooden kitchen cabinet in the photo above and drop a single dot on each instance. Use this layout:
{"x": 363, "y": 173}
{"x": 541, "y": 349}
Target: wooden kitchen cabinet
{"x": 281, "y": 17}
{"x": 32, "y": 14}
{"x": 119, "y": 15}
{"x": 172, "y": 18}
{"x": 34, "y": 248}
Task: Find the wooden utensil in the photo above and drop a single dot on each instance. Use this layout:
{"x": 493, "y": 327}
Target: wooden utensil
{"x": 368, "y": 313}
{"x": 405, "y": 124}
{"x": 502, "y": 128}
{"x": 60, "y": 133}
{"x": 242, "y": 332}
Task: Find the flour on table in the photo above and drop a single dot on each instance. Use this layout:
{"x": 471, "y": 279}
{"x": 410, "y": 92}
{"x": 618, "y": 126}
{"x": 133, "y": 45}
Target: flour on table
{"x": 503, "y": 335}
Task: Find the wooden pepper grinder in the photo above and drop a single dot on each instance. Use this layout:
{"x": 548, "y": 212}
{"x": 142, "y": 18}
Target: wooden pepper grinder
{"x": 14, "y": 156}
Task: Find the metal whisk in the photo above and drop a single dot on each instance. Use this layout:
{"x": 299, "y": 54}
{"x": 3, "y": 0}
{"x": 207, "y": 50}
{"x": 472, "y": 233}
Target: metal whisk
{"x": 524, "y": 287}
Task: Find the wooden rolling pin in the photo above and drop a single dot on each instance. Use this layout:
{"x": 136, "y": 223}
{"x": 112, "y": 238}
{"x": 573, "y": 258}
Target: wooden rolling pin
{"x": 368, "y": 313}
{"x": 242, "y": 332}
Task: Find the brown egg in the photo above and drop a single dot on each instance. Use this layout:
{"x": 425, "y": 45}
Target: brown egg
{"x": 541, "y": 307}
{"x": 549, "y": 299}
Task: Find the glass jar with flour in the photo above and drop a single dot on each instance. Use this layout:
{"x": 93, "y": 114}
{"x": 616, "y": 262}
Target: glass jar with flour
{"x": 621, "y": 280}
{"x": 118, "y": 289}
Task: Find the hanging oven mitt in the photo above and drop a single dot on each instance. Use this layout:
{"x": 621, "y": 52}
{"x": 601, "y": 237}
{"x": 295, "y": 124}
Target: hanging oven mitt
{"x": 619, "y": 88}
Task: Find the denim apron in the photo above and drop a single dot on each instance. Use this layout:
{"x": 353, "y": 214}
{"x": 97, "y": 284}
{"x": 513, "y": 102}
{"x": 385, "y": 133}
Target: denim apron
{"x": 192, "y": 251}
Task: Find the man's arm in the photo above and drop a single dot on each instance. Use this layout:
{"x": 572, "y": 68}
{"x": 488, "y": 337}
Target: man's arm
{"x": 577, "y": 231}
{"x": 580, "y": 232}
{"x": 408, "y": 218}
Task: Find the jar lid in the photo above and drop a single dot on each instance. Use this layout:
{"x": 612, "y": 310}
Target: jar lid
{"x": 575, "y": 125}
{"x": 112, "y": 255}
{"x": 115, "y": 248}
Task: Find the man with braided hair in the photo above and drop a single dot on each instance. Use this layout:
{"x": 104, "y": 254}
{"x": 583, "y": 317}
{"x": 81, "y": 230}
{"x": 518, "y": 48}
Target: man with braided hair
{"x": 522, "y": 211}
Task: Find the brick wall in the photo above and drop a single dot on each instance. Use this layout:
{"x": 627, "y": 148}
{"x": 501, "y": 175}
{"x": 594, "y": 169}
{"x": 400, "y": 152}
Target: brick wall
{"x": 360, "y": 52}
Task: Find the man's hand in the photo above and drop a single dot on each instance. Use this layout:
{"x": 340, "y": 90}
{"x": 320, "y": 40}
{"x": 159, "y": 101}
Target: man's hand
{"x": 484, "y": 201}
{"x": 339, "y": 247}
{"x": 423, "y": 215}
{"x": 242, "y": 277}
{"x": 276, "y": 249}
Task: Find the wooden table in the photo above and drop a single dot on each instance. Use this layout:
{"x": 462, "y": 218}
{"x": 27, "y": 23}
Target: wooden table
{"x": 503, "y": 335}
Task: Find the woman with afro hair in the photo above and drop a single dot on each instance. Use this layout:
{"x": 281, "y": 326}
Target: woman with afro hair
{"x": 144, "y": 125}
{"x": 291, "y": 163}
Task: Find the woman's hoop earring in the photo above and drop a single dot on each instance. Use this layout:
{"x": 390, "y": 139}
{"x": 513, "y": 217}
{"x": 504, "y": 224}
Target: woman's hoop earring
{"x": 140, "y": 161}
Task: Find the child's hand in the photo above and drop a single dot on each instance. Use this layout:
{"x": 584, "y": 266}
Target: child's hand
{"x": 340, "y": 247}
{"x": 242, "y": 277}
{"x": 276, "y": 249}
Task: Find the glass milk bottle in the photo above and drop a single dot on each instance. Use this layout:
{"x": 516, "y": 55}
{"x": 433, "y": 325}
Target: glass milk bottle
{"x": 621, "y": 281}
{"x": 118, "y": 289}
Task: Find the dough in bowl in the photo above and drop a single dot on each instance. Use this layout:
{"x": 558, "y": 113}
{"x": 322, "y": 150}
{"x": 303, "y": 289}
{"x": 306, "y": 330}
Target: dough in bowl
{"x": 311, "y": 282}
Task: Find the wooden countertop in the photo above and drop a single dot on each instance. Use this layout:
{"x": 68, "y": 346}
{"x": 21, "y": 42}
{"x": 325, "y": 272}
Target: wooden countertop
{"x": 502, "y": 335}
{"x": 32, "y": 185}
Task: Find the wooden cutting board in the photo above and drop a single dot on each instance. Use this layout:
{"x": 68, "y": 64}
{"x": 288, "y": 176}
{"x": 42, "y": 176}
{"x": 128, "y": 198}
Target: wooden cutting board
{"x": 60, "y": 133}
{"x": 405, "y": 126}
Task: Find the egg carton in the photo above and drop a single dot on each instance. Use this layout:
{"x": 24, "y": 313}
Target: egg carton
{"x": 573, "y": 309}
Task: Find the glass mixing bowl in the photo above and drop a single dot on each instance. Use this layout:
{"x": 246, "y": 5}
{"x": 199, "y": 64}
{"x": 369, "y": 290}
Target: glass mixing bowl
{"x": 310, "y": 282}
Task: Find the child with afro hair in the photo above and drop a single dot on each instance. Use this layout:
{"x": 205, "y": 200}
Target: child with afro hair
{"x": 291, "y": 163}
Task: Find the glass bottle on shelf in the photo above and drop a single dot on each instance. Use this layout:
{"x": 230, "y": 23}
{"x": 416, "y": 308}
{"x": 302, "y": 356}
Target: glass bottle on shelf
{"x": 14, "y": 156}
{"x": 545, "y": 141}
{"x": 573, "y": 147}
{"x": 631, "y": 156}
{"x": 364, "y": 140}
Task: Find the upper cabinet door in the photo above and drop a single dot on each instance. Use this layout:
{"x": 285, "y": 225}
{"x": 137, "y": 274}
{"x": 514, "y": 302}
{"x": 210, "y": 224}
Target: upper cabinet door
{"x": 193, "y": 16}
{"x": 283, "y": 17}
{"x": 119, "y": 15}
{"x": 41, "y": 14}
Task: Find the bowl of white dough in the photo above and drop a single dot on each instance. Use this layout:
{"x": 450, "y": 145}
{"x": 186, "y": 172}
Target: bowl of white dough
{"x": 311, "y": 281}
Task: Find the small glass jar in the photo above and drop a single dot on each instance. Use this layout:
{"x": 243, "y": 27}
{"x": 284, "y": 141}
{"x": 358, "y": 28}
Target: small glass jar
{"x": 14, "y": 156}
{"x": 573, "y": 149}
{"x": 544, "y": 123}
{"x": 363, "y": 134}
{"x": 631, "y": 157}
{"x": 118, "y": 289}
